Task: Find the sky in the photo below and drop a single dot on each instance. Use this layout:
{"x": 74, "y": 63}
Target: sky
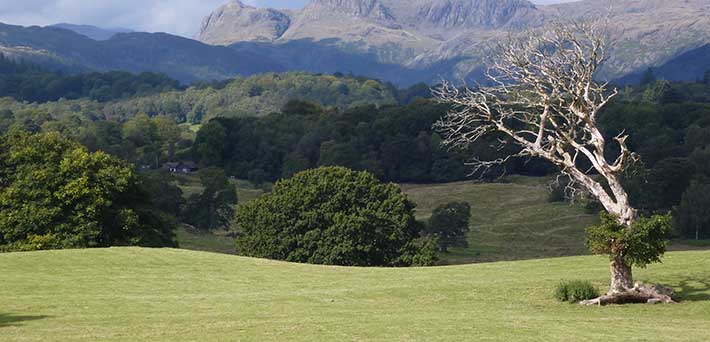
{"x": 181, "y": 17}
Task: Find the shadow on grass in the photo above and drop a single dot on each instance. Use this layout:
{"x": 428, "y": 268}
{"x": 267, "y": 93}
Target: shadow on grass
{"x": 9, "y": 320}
{"x": 694, "y": 290}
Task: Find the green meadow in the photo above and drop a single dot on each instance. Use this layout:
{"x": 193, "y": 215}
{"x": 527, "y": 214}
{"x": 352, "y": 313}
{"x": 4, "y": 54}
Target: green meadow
{"x": 133, "y": 294}
{"x": 510, "y": 220}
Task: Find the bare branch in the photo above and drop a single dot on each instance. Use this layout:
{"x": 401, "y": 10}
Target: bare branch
{"x": 545, "y": 99}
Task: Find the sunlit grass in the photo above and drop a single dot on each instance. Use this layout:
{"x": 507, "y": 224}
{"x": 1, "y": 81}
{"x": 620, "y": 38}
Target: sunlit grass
{"x": 510, "y": 221}
{"x": 132, "y": 294}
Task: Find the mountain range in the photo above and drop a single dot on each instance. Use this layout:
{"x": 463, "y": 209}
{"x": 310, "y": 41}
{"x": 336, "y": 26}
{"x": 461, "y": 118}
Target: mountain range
{"x": 93, "y": 32}
{"x": 402, "y": 41}
{"x": 419, "y": 34}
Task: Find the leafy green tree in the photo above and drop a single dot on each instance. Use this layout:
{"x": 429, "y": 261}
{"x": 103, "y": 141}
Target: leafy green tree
{"x": 293, "y": 163}
{"x": 56, "y": 194}
{"x": 647, "y": 78}
{"x": 140, "y": 130}
{"x": 643, "y": 244}
{"x": 168, "y": 135}
{"x": 662, "y": 92}
{"x": 162, "y": 191}
{"x": 333, "y": 153}
{"x": 333, "y": 215}
{"x": 693, "y": 213}
{"x": 214, "y": 207}
{"x": 7, "y": 118}
{"x": 209, "y": 144}
{"x": 138, "y": 217}
{"x": 450, "y": 223}
{"x": 668, "y": 179}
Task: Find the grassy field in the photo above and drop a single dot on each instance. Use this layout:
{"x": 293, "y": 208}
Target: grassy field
{"x": 190, "y": 185}
{"x": 217, "y": 241}
{"x": 195, "y": 240}
{"x": 510, "y": 221}
{"x": 131, "y": 294}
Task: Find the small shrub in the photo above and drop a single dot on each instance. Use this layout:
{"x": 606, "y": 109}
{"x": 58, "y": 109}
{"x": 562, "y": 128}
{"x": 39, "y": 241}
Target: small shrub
{"x": 575, "y": 291}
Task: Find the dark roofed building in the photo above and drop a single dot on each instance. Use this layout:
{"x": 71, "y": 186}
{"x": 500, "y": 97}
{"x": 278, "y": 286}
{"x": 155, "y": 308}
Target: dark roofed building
{"x": 181, "y": 167}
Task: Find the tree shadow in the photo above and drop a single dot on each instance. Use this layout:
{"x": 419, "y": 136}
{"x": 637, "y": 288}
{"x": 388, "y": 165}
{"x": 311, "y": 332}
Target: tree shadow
{"x": 693, "y": 290}
{"x": 9, "y": 320}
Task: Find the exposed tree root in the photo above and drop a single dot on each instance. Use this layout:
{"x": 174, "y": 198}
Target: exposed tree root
{"x": 640, "y": 293}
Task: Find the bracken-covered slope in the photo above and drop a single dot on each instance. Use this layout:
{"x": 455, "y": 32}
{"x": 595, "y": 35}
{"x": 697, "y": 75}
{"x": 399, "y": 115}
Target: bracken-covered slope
{"x": 131, "y": 294}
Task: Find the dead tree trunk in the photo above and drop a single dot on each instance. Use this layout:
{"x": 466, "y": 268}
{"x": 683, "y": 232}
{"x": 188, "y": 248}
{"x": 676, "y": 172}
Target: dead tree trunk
{"x": 621, "y": 276}
{"x": 638, "y": 293}
{"x": 545, "y": 101}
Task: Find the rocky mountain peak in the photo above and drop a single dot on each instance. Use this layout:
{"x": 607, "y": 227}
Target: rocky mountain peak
{"x": 368, "y": 9}
{"x": 235, "y": 21}
{"x": 470, "y": 14}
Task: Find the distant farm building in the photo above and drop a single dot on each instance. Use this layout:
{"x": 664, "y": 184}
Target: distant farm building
{"x": 181, "y": 167}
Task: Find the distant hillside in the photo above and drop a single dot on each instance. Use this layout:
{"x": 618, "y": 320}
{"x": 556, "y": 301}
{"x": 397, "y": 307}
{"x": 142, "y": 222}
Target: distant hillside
{"x": 181, "y": 58}
{"x": 689, "y": 66}
{"x": 189, "y": 60}
{"x": 401, "y": 41}
{"x": 257, "y": 95}
{"x": 423, "y": 34}
{"x": 25, "y": 81}
{"x": 330, "y": 56}
{"x": 93, "y": 32}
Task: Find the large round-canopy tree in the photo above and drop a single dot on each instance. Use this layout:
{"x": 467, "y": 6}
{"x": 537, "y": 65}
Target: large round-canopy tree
{"x": 544, "y": 99}
{"x": 56, "y": 194}
{"x": 336, "y": 216}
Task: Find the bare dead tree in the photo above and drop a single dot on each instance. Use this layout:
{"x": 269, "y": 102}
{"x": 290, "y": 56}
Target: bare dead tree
{"x": 546, "y": 101}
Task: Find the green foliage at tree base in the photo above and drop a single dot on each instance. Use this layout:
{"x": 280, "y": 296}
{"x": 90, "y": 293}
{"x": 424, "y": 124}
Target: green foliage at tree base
{"x": 335, "y": 216}
{"x": 643, "y": 243}
{"x": 575, "y": 291}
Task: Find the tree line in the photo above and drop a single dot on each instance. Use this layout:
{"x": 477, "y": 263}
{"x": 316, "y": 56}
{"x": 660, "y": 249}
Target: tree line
{"x": 27, "y": 82}
{"x": 668, "y": 124}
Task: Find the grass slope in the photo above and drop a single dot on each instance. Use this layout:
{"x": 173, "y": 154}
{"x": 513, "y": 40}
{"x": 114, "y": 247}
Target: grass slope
{"x": 132, "y": 294}
{"x": 510, "y": 221}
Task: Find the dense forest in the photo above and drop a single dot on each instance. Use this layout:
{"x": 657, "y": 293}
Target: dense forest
{"x": 272, "y": 126}
{"x": 27, "y": 82}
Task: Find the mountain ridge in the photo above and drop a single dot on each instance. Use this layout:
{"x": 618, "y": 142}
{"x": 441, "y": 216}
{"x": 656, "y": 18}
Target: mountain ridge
{"x": 93, "y": 32}
{"x": 393, "y": 40}
{"x": 181, "y": 58}
{"x": 420, "y": 33}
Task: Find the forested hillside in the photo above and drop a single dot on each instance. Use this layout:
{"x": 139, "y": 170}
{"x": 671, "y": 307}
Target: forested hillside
{"x": 183, "y": 59}
{"x": 28, "y": 82}
{"x": 272, "y": 126}
{"x": 121, "y": 96}
{"x": 257, "y": 96}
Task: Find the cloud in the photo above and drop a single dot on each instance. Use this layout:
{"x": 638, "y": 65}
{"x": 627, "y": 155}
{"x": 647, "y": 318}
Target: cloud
{"x": 181, "y": 17}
